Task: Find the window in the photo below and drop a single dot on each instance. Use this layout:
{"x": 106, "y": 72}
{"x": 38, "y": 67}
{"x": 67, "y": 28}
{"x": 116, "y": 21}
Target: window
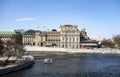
{"x": 70, "y": 39}
{"x": 63, "y": 39}
{"x": 77, "y": 39}
{"x": 66, "y": 39}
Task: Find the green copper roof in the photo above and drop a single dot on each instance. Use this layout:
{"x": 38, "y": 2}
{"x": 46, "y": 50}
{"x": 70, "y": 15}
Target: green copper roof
{"x": 7, "y": 32}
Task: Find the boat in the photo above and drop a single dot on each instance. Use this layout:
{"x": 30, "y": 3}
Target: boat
{"x": 47, "y": 61}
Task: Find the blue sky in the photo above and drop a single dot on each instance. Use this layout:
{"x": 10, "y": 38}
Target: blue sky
{"x": 99, "y": 17}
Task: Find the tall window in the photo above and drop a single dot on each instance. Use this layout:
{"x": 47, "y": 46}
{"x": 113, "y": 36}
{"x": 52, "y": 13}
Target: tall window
{"x": 77, "y": 39}
{"x": 66, "y": 39}
{"x": 63, "y": 39}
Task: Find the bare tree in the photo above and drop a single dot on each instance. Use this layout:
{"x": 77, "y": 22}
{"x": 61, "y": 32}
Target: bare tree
{"x": 1, "y": 47}
{"x": 8, "y": 51}
{"x": 116, "y": 39}
{"x": 12, "y": 48}
{"x": 107, "y": 43}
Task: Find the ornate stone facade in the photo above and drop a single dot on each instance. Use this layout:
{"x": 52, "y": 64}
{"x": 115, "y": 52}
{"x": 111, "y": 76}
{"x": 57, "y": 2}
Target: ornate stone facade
{"x": 68, "y": 36}
{"x": 7, "y": 35}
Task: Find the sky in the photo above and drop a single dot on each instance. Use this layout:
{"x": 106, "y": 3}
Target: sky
{"x": 99, "y": 17}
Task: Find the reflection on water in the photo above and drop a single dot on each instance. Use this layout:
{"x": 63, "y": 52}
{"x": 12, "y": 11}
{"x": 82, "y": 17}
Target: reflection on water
{"x": 97, "y": 65}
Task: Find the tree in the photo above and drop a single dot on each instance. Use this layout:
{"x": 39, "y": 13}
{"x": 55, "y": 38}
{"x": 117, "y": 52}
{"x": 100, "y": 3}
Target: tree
{"x": 8, "y": 51}
{"x": 12, "y": 49}
{"x": 116, "y": 39}
{"x": 1, "y": 47}
{"x": 18, "y": 39}
{"x": 107, "y": 43}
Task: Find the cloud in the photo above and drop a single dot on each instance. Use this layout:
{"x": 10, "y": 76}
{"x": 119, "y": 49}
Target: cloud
{"x": 24, "y": 19}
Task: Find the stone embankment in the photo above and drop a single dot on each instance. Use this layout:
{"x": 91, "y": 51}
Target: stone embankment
{"x": 55, "y": 49}
{"x": 16, "y": 66}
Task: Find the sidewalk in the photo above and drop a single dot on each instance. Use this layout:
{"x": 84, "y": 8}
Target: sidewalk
{"x": 55, "y": 49}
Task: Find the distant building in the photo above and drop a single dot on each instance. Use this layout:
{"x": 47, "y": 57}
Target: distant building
{"x": 89, "y": 44}
{"x": 68, "y": 36}
{"x": 7, "y": 35}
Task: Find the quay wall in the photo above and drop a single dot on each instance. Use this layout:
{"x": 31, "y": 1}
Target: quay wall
{"x": 15, "y": 67}
{"x": 68, "y": 50}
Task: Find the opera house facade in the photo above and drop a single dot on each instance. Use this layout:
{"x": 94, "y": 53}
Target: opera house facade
{"x": 68, "y": 36}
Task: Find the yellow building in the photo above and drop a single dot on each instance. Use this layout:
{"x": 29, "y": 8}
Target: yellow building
{"x": 68, "y": 36}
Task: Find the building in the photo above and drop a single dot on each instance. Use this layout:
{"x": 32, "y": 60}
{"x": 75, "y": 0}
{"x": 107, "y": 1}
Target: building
{"x": 68, "y": 36}
{"x": 7, "y": 35}
{"x": 14, "y": 35}
{"x": 89, "y": 44}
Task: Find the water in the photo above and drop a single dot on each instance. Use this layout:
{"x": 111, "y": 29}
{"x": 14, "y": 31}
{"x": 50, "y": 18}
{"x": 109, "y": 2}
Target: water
{"x": 85, "y": 65}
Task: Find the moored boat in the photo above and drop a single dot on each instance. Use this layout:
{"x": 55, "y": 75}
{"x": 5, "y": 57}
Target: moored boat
{"x": 48, "y": 61}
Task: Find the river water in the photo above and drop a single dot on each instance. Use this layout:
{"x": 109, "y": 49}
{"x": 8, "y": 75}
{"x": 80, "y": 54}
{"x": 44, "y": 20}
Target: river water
{"x": 72, "y": 65}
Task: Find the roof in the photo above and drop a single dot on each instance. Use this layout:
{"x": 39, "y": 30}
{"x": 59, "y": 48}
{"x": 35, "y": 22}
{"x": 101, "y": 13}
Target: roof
{"x": 7, "y": 32}
{"x": 89, "y": 41}
{"x": 29, "y": 32}
{"x": 67, "y": 25}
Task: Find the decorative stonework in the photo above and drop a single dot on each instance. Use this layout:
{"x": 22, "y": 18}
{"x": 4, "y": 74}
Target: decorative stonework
{"x": 68, "y": 36}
